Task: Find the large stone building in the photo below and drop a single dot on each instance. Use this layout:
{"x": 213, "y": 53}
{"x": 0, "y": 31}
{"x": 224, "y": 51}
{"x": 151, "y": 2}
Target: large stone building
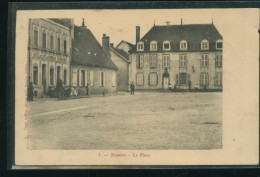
{"x": 177, "y": 55}
{"x": 120, "y": 56}
{"x": 91, "y": 63}
{"x": 49, "y": 53}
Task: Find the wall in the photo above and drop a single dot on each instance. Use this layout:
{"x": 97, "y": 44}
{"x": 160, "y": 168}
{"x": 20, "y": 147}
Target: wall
{"x": 193, "y": 59}
{"x": 122, "y": 74}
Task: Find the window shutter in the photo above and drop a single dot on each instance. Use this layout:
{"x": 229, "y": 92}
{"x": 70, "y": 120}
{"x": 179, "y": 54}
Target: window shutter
{"x": 80, "y": 78}
{"x": 100, "y": 80}
{"x": 104, "y": 79}
{"x": 188, "y": 78}
{"x": 86, "y": 77}
{"x": 141, "y": 64}
{"x": 149, "y": 79}
{"x": 177, "y": 79}
{"x": 137, "y": 61}
{"x": 157, "y": 79}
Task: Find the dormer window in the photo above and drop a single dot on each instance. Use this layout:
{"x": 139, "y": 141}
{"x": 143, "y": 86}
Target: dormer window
{"x": 166, "y": 45}
{"x": 153, "y": 46}
{"x": 140, "y": 46}
{"x": 183, "y": 45}
{"x": 219, "y": 44}
{"x": 204, "y": 45}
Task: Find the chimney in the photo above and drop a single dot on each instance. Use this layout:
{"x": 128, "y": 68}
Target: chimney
{"x": 105, "y": 45}
{"x": 83, "y": 23}
{"x": 168, "y": 23}
{"x": 181, "y": 21}
{"x": 112, "y": 45}
{"x": 137, "y": 33}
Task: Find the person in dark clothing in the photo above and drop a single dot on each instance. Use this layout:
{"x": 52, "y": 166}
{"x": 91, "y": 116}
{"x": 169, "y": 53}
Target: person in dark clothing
{"x": 132, "y": 87}
{"x": 87, "y": 87}
{"x": 189, "y": 83}
{"x": 30, "y": 92}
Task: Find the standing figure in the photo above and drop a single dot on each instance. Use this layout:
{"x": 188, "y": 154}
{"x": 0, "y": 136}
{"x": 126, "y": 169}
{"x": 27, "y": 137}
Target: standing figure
{"x": 189, "y": 83}
{"x": 132, "y": 87}
{"x": 30, "y": 92}
{"x": 87, "y": 87}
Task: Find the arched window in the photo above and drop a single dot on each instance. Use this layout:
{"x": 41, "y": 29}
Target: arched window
{"x": 219, "y": 44}
{"x": 204, "y": 44}
{"x": 140, "y": 46}
{"x": 183, "y": 45}
{"x": 153, "y": 46}
{"x": 166, "y": 45}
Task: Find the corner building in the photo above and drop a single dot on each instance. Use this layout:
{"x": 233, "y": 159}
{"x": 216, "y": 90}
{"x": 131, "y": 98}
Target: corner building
{"x": 176, "y": 55}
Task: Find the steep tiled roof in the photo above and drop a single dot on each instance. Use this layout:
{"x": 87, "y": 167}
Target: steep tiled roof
{"x": 193, "y": 34}
{"x": 62, "y": 21}
{"x": 121, "y": 52}
{"x": 87, "y": 51}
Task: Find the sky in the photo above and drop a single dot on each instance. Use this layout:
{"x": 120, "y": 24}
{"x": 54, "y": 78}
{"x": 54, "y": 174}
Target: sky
{"x": 121, "y": 24}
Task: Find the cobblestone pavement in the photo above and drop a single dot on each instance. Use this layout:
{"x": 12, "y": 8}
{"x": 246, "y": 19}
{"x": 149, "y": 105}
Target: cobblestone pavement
{"x": 146, "y": 120}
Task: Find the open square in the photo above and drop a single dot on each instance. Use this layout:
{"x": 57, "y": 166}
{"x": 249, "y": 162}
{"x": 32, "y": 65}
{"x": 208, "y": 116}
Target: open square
{"x": 146, "y": 120}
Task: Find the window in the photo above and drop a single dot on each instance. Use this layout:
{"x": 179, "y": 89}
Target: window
{"x": 139, "y": 79}
{"x": 65, "y": 46}
{"x": 204, "y": 60}
{"x": 183, "y": 60}
{"x": 102, "y": 79}
{"x": 65, "y": 77}
{"x": 113, "y": 79}
{"x": 51, "y": 76}
{"x": 44, "y": 40}
{"x": 51, "y": 42}
{"x": 140, "y": 61}
{"x": 218, "y": 60}
{"x": 166, "y": 45}
{"x": 183, "y": 78}
{"x": 58, "y": 44}
{"x": 35, "y": 38}
{"x": 183, "y": 45}
{"x": 153, "y": 79}
{"x": 82, "y": 78}
{"x": 204, "y": 45}
{"x": 58, "y": 73}
{"x": 91, "y": 78}
{"x": 153, "y": 61}
{"x": 218, "y": 79}
{"x": 140, "y": 46}
{"x": 219, "y": 44}
{"x": 153, "y": 46}
{"x": 35, "y": 75}
{"x": 204, "y": 79}
{"x": 166, "y": 61}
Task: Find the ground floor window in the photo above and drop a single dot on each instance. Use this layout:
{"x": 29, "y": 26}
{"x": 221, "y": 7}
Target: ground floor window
{"x": 58, "y": 73}
{"x": 91, "y": 78}
{"x": 140, "y": 79}
{"x": 82, "y": 78}
{"x": 35, "y": 75}
{"x": 204, "y": 79}
{"x": 51, "y": 76}
{"x": 183, "y": 78}
{"x": 102, "y": 78}
{"x": 113, "y": 79}
{"x": 153, "y": 79}
{"x": 218, "y": 79}
{"x": 65, "y": 77}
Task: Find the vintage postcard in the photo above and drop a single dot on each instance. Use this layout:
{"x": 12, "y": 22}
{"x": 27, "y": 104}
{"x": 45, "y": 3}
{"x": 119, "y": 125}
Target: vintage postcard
{"x": 137, "y": 87}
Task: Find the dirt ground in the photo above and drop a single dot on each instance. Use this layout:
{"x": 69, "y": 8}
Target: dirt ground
{"x": 146, "y": 120}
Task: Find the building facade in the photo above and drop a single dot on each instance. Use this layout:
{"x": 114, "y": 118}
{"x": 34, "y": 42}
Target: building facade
{"x": 178, "y": 56}
{"x": 120, "y": 56}
{"x": 49, "y": 53}
{"x": 91, "y": 64}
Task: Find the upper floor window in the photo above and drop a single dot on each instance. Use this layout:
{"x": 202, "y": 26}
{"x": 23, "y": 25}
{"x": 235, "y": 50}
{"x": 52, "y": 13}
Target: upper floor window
{"x": 183, "y": 45}
{"x": 218, "y": 60}
{"x": 65, "y": 46}
{"x": 35, "y": 37}
{"x": 204, "y": 60}
{"x": 153, "y": 46}
{"x": 44, "y": 39}
{"x": 153, "y": 61}
{"x": 166, "y": 45}
{"x": 219, "y": 44}
{"x": 51, "y": 42}
{"x": 204, "y": 44}
{"x": 139, "y": 61}
{"x": 166, "y": 61}
{"x": 183, "y": 60}
{"x": 58, "y": 41}
{"x": 140, "y": 46}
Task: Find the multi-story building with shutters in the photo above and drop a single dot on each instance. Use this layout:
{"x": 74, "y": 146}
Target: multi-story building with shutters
{"x": 177, "y": 55}
{"x": 49, "y": 53}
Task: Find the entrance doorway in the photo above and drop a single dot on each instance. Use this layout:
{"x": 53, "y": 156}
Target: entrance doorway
{"x": 166, "y": 83}
{"x": 44, "y": 78}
